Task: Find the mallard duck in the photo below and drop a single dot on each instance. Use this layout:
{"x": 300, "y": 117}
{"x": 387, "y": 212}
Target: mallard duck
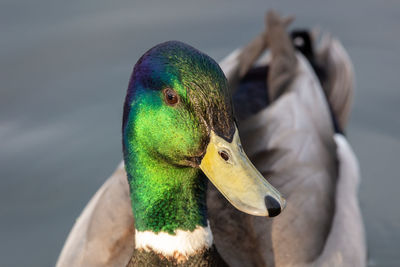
{"x": 287, "y": 130}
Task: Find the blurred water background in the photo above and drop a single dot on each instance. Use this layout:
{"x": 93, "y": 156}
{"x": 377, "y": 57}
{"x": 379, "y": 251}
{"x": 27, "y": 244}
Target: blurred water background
{"x": 64, "y": 68}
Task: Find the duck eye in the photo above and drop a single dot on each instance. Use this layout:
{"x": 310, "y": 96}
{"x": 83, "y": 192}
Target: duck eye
{"x": 170, "y": 97}
{"x": 224, "y": 155}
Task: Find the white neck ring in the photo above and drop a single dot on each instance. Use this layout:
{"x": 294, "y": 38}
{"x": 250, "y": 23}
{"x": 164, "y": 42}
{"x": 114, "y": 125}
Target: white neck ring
{"x": 184, "y": 243}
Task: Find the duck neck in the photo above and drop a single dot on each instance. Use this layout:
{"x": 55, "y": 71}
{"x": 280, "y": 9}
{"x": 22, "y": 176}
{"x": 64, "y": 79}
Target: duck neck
{"x": 169, "y": 207}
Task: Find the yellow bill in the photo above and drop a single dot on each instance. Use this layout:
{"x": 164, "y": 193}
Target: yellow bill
{"x": 232, "y": 173}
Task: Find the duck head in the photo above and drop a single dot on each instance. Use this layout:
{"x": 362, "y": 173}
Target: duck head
{"x": 178, "y": 126}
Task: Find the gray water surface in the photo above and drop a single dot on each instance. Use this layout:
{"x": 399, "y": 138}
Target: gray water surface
{"x": 64, "y": 68}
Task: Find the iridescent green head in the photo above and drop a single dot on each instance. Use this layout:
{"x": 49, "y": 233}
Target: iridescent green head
{"x": 177, "y": 132}
{"x": 177, "y": 103}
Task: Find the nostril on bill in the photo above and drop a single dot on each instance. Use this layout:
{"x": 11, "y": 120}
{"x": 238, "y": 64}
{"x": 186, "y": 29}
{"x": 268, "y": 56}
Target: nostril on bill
{"x": 273, "y": 206}
{"x": 224, "y": 155}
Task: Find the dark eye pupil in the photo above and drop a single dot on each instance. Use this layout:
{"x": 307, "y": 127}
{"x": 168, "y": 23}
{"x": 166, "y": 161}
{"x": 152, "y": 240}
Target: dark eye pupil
{"x": 170, "y": 96}
{"x": 224, "y": 155}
